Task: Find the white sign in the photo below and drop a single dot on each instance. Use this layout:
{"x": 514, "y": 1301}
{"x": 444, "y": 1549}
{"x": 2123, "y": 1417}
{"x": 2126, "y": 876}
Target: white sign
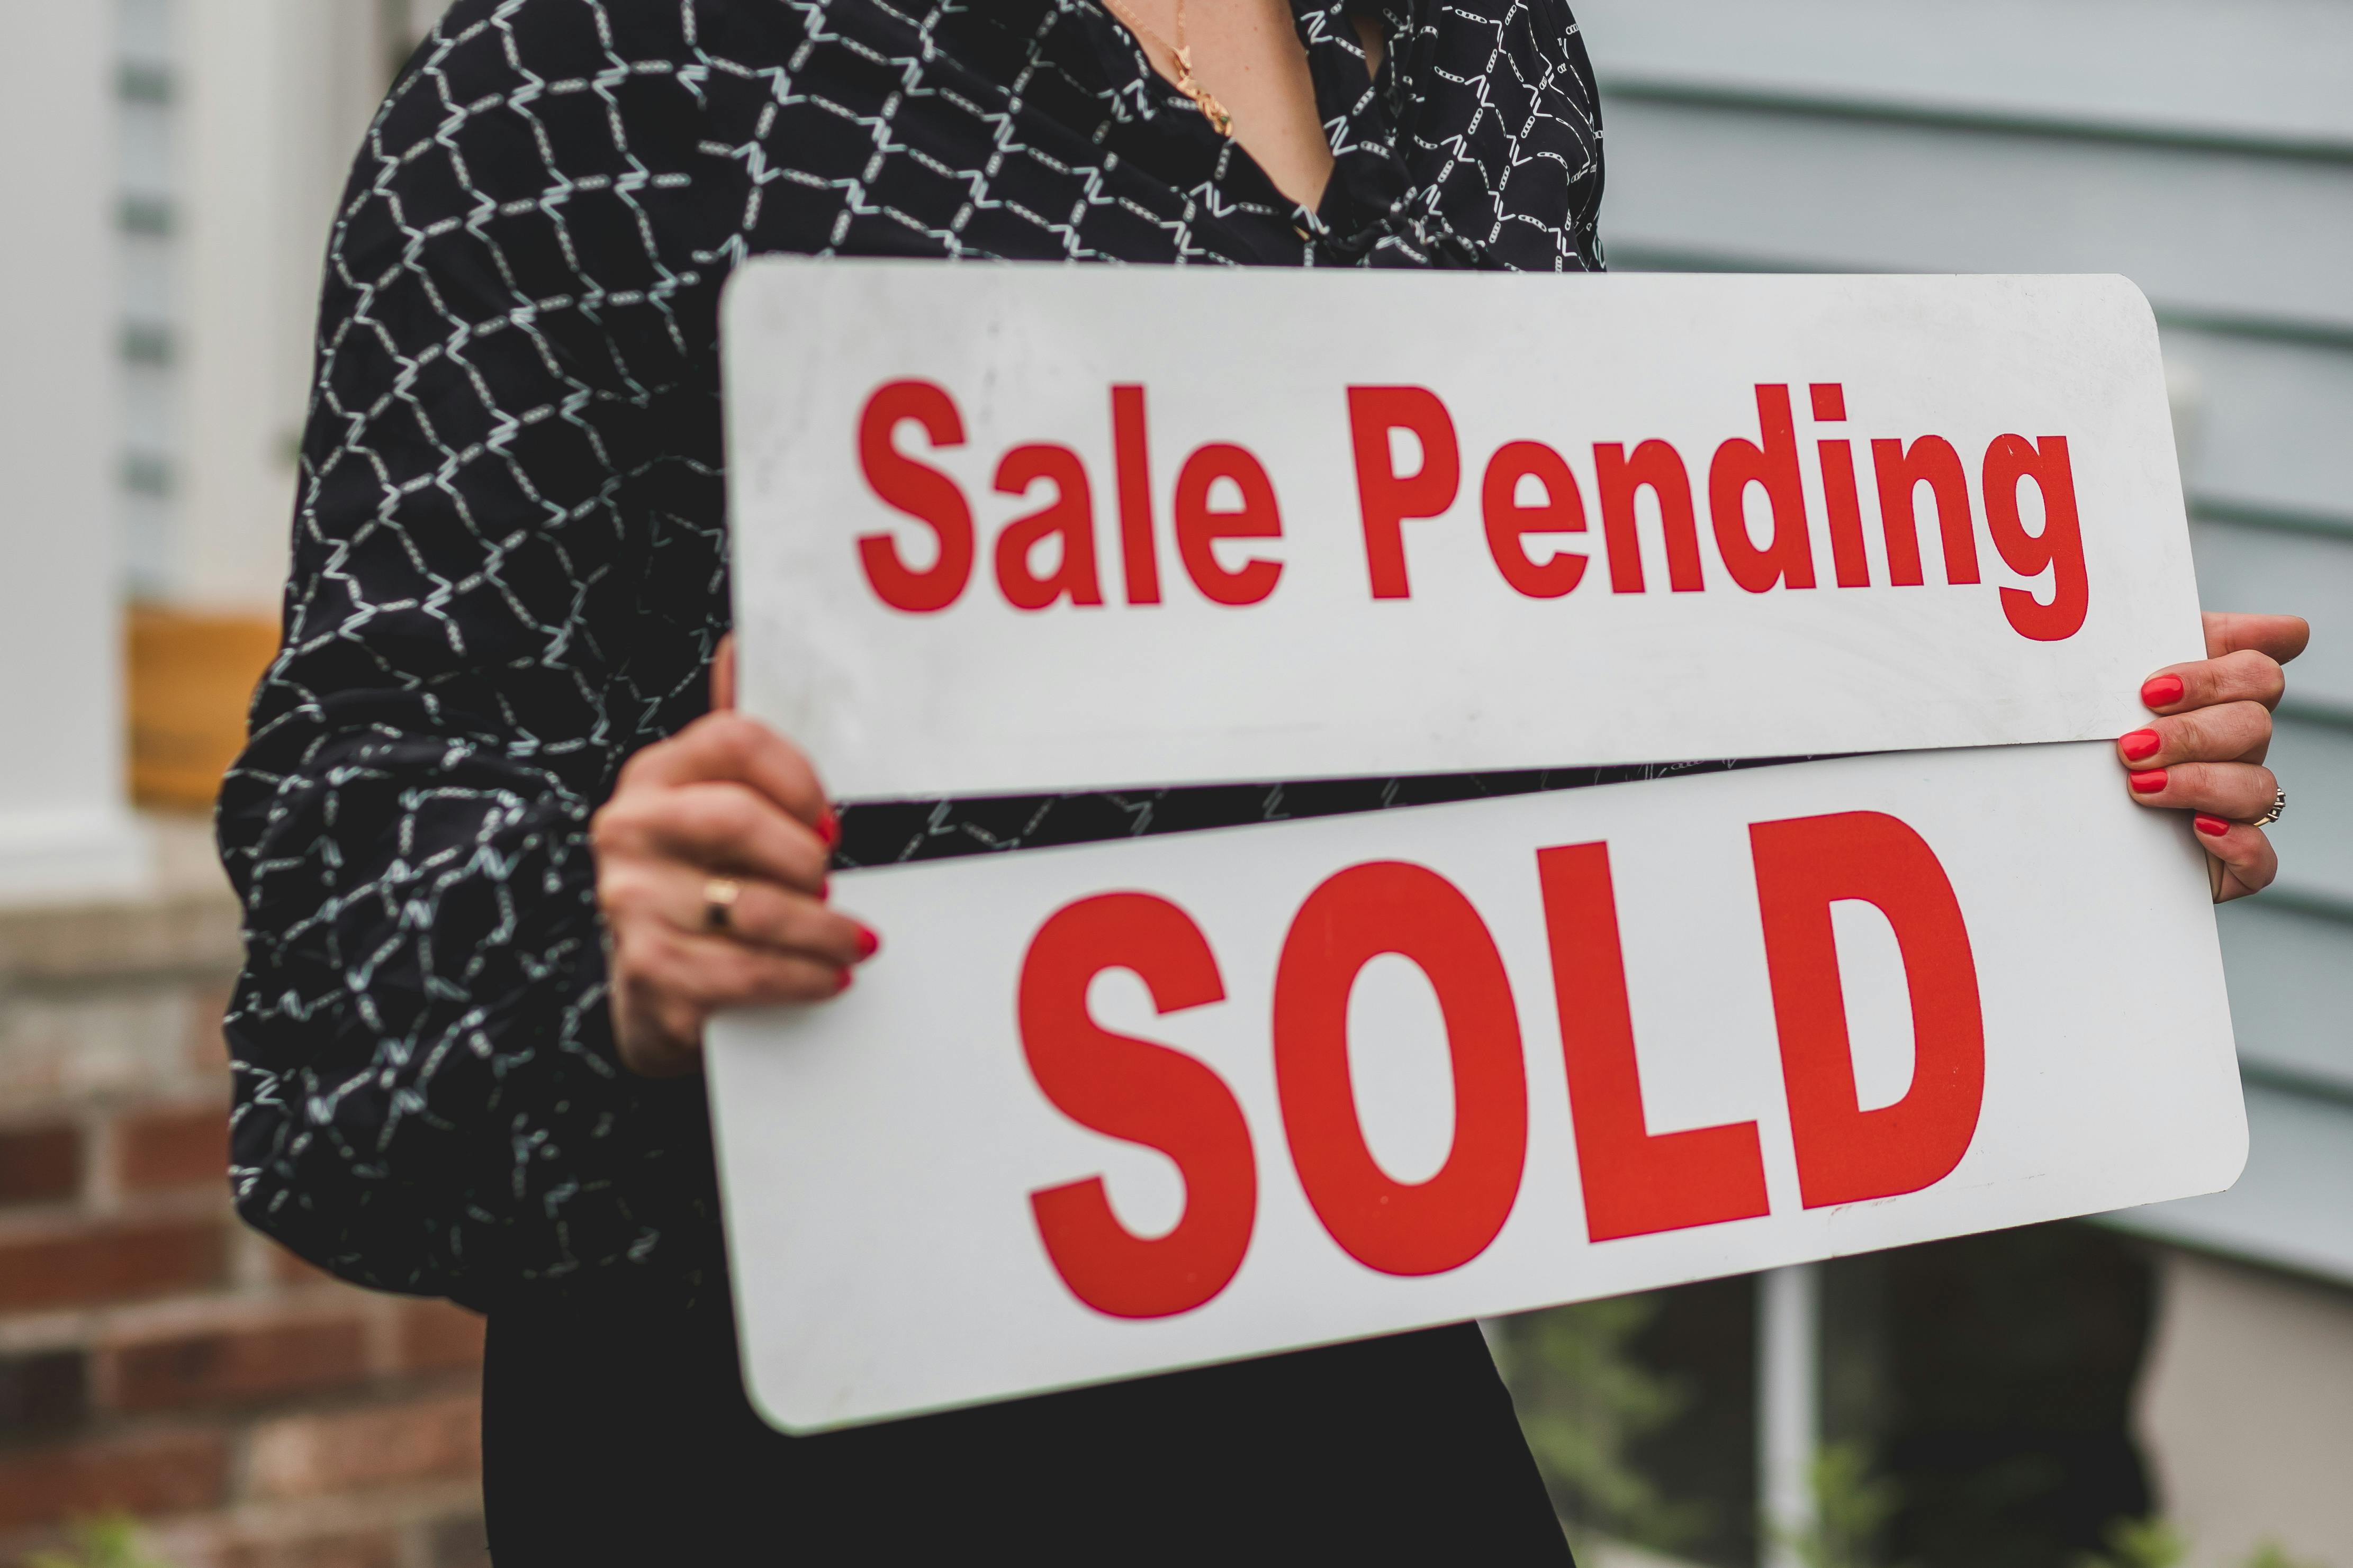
{"x": 1005, "y": 528}
{"x": 1102, "y": 1112}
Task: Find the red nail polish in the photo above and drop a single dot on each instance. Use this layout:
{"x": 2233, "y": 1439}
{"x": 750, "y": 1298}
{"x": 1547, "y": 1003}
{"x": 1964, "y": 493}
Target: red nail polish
{"x": 2138, "y": 744}
{"x": 828, "y": 829}
{"x": 2149, "y": 782}
{"x": 2161, "y": 690}
{"x": 824, "y": 888}
{"x": 846, "y": 977}
{"x": 869, "y": 944}
{"x": 2211, "y": 827}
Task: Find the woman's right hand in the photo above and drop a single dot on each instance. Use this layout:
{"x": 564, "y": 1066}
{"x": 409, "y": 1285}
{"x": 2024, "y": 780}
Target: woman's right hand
{"x": 725, "y": 800}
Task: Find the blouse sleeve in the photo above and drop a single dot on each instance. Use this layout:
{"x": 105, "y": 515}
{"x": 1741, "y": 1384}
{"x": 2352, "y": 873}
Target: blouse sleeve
{"x": 508, "y": 573}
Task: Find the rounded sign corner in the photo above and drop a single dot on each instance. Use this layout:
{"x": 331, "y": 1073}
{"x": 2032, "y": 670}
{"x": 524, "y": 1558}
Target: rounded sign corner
{"x": 778, "y": 1417}
{"x": 2133, "y": 298}
{"x": 2232, "y": 1162}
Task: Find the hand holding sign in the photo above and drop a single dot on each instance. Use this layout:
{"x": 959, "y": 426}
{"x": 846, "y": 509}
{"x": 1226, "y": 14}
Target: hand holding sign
{"x": 725, "y": 802}
{"x": 2206, "y": 754}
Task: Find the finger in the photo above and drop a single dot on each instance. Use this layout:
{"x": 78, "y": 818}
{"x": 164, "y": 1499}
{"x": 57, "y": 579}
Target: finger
{"x": 763, "y": 915}
{"x": 723, "y": 675}
{"x": 655, "y": 1034}
{"x": 2248, "y": 860}
{"x": 709, "y": 973}
{"x": 2280, "y": 636}
{"x": 2240, "y": 791}
{"x": 2234, "y": 732}
{"x": 728, "y": 748}
{"x": 784, "y": 921}
{"x": 2245, "y": 676}
{"x": 723, "y": 829}
{"x": 715, "y": 829}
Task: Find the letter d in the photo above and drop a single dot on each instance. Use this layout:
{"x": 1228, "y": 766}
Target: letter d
{"x": 1847, "y": 1155}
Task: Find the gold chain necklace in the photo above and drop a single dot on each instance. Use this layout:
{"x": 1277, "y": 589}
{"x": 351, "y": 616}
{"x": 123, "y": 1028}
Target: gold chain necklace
{"x": 1187, "y": 83}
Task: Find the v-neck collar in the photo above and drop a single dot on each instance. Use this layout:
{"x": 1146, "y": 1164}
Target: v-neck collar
{"x": 1369, "y": 196}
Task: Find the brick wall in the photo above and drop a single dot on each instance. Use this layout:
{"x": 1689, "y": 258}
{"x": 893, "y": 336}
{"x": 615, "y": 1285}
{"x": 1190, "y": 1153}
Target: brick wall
{"x": 155, "y": 1357}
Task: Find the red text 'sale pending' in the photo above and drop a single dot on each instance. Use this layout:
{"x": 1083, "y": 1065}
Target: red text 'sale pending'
{"x": 1530, "y": 505}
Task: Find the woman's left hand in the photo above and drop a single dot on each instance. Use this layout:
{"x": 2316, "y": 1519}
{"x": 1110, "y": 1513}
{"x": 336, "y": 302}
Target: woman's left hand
{"x": 2205, "y": 752}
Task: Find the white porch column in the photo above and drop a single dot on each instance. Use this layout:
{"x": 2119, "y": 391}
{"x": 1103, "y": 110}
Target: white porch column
{"x": 275, "y": 95}
{"x": 1788, "y": 1406}
{"x": 65, "y": 830}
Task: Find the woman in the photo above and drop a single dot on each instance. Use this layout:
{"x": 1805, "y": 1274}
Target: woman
{"x": 483, "y": 797}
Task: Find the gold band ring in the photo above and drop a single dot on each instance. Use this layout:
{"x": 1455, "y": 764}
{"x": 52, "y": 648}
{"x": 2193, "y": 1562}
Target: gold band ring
{"x": 719, "y": 896}
{"x": 2278, "y": 810}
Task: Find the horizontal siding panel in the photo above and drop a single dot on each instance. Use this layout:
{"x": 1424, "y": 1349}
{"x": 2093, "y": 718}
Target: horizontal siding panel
{"x": 2307, "y": 574}
{"x": 2290, "y": 1209}
{"x": 2291, "y": 976}
{"x": 2209, "y": 234}
{"x": 2278, "y": 71}
{"x": 2269, "y": 424}
{"x": 2315, "y": 762}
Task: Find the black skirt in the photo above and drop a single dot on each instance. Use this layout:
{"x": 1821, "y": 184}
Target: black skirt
{"x": 616, "y": 1431}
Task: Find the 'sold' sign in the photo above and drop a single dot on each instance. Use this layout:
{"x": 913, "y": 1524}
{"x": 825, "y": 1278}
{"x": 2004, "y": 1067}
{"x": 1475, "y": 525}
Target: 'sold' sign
{"x": 1102, "y": 1112}
{"x": 1006, "y": 528}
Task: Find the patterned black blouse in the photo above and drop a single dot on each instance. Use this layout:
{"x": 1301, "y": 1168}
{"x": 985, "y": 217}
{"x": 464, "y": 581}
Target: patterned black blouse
{"x": 509, "y": 555}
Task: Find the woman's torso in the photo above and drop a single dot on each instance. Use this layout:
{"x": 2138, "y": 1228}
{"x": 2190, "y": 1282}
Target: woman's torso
{"x": 510, "y": 564}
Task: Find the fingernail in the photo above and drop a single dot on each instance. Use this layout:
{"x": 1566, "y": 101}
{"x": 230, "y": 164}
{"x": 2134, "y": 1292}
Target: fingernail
{"x": 2149, "y": 782}
{"x": 828, "y": 829}
{"x": 846, "y": 977}
{"x": 869, "y": 944}
{"x": 2161, "y": 690}
{"x": 825, "y": 886}
{"x": 2211, "y": 827}
{"x": 2138, "y": 744}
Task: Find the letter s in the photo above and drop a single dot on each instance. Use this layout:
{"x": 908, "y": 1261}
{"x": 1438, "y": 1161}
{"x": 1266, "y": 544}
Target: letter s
{"x": 1142, "y": 1092}
{"x": 920, "y": 490}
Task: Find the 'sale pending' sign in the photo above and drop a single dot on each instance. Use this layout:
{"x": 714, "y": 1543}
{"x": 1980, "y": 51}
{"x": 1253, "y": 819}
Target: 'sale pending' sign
{"x": 1102, "y": 1112}
{"x": 1008, "y": 528}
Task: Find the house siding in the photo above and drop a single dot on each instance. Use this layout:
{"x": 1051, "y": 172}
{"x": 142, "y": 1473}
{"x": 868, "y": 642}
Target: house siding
{"x": 2209, "y": 157}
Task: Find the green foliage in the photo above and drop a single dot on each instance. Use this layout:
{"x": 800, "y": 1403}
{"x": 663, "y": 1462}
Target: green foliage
{"x": 109, "y": 1542}
{"x": 2154, "y": 1543}
{"x": 1851, "y": 1506}
{"x": 2271, "y": 1555}
{"x": 2139, "y": 1544}
{"x": 1584, "y": 1401}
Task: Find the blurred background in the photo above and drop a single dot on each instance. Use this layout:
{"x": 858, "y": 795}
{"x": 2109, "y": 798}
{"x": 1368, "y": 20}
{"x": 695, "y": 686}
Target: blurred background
{"x": 2172, "y": 1384}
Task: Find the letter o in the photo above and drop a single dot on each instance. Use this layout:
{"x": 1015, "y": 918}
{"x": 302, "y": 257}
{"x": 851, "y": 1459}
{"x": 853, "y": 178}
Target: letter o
{"x": 1426, "y": 1227}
